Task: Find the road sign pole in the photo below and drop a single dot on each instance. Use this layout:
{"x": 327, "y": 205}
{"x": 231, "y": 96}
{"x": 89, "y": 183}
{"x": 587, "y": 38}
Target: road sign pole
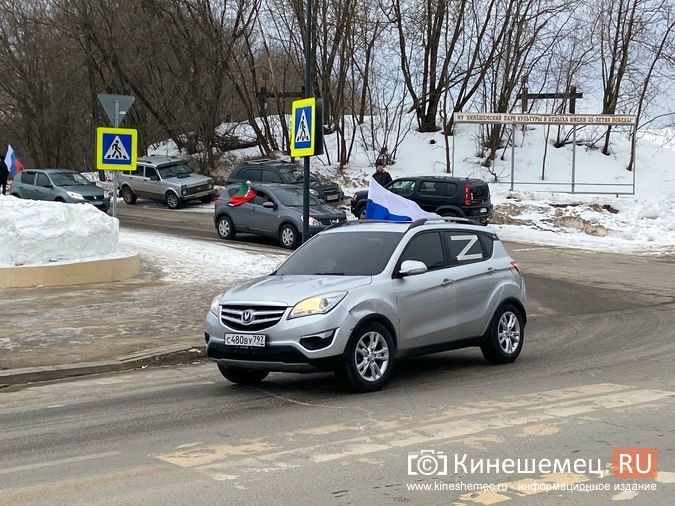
{"x": 513, "y": 154}
{"x": 116, "y": 123}
{"x": 308, "y": 94}
{"x": 574, "y": 156}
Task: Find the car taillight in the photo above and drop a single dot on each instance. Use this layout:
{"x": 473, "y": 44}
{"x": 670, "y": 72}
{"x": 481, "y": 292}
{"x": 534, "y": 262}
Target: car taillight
{"x": 514, "y": 264}
{"x": 217, "y": 201}
{"x": 467, "y": 195}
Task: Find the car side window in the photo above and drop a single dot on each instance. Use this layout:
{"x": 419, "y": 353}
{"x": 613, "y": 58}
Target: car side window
{"x": 437, "y": 188}
{"x": 261, "y": 198}
{"x": 28, "y": 177}
{"x": 139, "y": 171}
{"x": 464, "y": 247}
{"x": 151, "y": 172}
{"x": 403, "y": 187}
{"x": 425, "y": 247}
{"x": 253, "y": 175}
{"x": 269, "y": 176}
{"x": 42, "y": 180}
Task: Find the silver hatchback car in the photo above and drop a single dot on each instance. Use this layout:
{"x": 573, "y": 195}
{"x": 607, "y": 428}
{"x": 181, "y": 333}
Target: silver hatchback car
{"x": 361, "y": 295}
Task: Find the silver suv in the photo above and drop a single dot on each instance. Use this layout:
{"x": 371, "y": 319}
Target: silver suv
{"x": 167, "y": 179}
{"x": 361, "y": 295}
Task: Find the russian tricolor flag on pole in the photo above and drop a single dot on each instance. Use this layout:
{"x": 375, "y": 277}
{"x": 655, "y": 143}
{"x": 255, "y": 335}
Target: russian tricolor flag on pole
{"x": 385, "y": 205}
{"x": 12, "y": 162}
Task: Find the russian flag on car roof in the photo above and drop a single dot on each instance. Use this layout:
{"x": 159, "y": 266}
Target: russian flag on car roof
{"x": 12, "y": 162}
{"x": 385, "y": 205}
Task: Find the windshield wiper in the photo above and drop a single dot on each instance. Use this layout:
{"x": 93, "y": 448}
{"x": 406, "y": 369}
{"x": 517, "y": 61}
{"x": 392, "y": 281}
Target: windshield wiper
{"x": 329, "y": 274}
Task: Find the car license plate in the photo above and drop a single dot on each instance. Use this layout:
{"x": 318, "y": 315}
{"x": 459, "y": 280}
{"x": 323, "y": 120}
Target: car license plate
{"x": 331, "y": 197}
{"x": 483, "y": 209}
{"x": 257, "y": 341}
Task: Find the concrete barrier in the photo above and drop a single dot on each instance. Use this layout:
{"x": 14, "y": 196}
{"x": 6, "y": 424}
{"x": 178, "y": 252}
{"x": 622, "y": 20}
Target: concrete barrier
{"x": 76, "y": 273}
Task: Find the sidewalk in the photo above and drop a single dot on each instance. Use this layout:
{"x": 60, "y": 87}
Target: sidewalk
{"x": 100, "y": 322}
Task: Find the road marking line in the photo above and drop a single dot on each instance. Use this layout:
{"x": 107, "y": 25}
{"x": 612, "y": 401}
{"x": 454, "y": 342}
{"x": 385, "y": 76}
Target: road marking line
{"x": 70, "y": 460}
{"x": 230, "y": 462}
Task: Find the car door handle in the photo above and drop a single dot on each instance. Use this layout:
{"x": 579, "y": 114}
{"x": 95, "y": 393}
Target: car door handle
{"x": 447, "y": 282}
{"x": 491, "y": 270}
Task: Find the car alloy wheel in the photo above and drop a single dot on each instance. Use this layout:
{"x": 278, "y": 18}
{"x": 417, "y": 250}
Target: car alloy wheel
{"x": 508, "y": 332}
{"x": 172, "y": 201}
{"x": 128, "y": 195}
{"x": 503, "y": 341}
{"x": 225, "y": 228}
{"x": 288, "y": 236}
{"x": 371, "y": 356}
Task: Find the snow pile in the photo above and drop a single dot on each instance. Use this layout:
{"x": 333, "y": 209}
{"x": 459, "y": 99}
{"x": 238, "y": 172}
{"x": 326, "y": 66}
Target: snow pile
{"x": 182, "y": 259}
{"x": 628, "y": 224}
{"x": 36, "y": 232}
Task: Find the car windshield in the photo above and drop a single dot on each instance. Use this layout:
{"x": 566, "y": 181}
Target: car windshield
{"x": 69, "y": 179}
{"x": 343, "y": 254}
{"x": 180, "y": 170}
{"x": 294, "y": 175}
{"x": 292, "y": 197}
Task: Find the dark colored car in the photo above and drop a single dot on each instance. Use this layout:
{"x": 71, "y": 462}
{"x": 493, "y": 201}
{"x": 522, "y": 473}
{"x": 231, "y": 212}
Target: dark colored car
{"x": 443, "y": 195}
{"x": 278, "y": 171}
{"x": 60, "y": 185}
{"x": 276, "y": 211}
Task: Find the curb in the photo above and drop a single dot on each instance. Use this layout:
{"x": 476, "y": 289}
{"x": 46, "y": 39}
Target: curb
{"x": 174, "y": 354}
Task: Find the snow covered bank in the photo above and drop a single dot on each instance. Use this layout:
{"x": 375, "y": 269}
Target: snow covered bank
{"x": 182, "y": 259}
{"x": 36, "y": 232}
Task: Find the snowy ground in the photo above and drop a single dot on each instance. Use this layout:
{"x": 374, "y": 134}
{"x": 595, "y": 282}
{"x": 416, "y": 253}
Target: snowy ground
{"x": 191, "y": 260}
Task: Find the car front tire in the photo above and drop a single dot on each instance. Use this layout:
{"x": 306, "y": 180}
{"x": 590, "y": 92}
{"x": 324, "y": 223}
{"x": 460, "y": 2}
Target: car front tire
{"x": 368, "y": 358}
{"x": 128, "y": 195}
{"x": 242, "y": 376}
{"x": 288, "y": 236}
{"x": 172, "y": 201}
{"x": 225, "y": 228}
{"x": 505, "y": 337}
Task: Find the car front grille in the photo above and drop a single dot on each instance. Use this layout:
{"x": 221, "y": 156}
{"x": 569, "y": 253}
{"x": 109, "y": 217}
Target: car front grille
{"x": 197, "y": 189}
{"x": 93, "y": 197}
{"x": 332, "y": 221}
{"x": 251, "y": 318}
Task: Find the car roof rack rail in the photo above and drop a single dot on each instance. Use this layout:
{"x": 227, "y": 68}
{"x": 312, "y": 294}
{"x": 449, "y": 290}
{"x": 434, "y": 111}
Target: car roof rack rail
{"x": 444, "y": 219}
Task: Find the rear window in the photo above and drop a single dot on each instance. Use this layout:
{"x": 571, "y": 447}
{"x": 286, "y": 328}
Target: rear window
{"x": 480, "y": 191}
{"x": 343, "y": 254}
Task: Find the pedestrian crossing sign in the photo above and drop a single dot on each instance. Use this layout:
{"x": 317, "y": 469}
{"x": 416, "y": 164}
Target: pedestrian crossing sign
{"x": 116, "y": 148}
{"x": 303, "y": 127}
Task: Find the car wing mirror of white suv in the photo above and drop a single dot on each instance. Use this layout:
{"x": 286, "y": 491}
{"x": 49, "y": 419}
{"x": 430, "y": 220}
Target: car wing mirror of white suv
{"x": 412, "y": 268}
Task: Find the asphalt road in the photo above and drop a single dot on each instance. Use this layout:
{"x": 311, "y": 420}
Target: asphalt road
{"x": 596, "y": 374}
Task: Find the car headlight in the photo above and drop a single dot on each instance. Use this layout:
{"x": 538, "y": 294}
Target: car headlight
{"x": 183, "y": 190}
{"x": 314, "y": 222}
{"x": 74, "y": 195}
{"x": 215, "y": 305}
{"x": 107, "y": 194}
{"x": 314, "y": 192}
{"x": 320, "y": 304}
{"x": 210, "y": 184}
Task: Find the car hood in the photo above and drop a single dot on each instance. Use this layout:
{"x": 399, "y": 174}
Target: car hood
{"x": 325, "y": 211}
{"x": 191, "y": 180}
{"x": 289, "y": 290}
{"x": 89, "y": 189}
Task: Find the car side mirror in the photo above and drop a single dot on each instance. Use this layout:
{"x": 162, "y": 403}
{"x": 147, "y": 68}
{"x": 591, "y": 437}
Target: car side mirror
{"x": 269, "y": 205}
{"x": 412, "y": 268}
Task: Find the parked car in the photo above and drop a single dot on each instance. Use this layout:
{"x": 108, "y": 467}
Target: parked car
{"x": 278, "y": 171}
{"x": 276, "y": 211}
{"x": 443, "y": 195}
{"x": 60, "y": 185}
{"x": 165, "y": 179}
{"x": 358, "y": 297}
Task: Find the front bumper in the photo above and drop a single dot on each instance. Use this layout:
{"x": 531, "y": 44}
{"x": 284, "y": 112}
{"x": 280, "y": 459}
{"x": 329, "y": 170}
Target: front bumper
{"x": 283, "y": 349}
{"x": 194, "y": 196}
